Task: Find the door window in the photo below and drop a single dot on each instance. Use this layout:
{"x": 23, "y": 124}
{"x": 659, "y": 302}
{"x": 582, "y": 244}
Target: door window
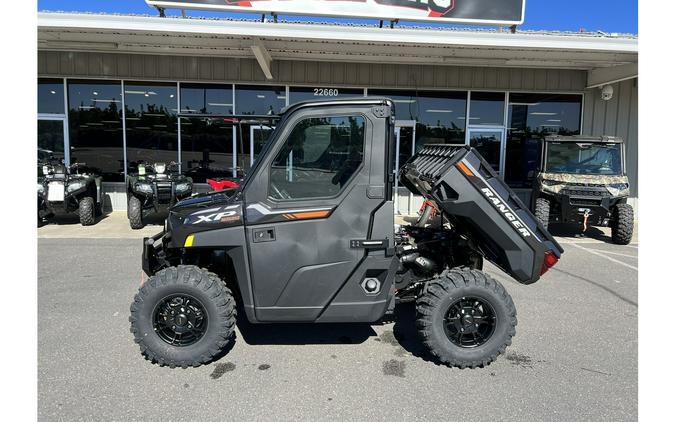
{"x": 318, "y": 158}
{"x": 489, "y": 145}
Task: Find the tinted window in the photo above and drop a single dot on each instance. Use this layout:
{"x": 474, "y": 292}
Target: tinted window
{"x": 318, "y": 158}
{"x": 95, "y": 123}
{"x": 531, "y": 117}
{"x": 206, "y": 148}
{"x": 206, "y": 99}
{"x": 50, "y": 96}
{"x": 487, "y": 109}
{"x": 50, "y": 141}
{"x": 439, "y": 116}
{"x": 151, "y": 123}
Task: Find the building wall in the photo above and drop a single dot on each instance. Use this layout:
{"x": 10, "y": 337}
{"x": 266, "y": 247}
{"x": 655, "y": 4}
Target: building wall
{"x": 183, "y": 68}
{"x": 615, "y": 117}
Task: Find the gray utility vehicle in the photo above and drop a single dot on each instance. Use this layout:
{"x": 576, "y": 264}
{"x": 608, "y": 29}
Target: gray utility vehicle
{"x": 309, "y": 236}
{"x": 583, "y": 180}
{"x": 63, "y": 190}
{"x": 155, "y": 188}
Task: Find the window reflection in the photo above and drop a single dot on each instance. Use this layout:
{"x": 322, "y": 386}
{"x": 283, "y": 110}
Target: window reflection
{"x": 50, "y": 142}
{"x": 206, "y": 148}
{"x": 255, "y": 100}
{"x": 151, "y": 124}
{"x": 531, "y": 117}
{"x": 439, "y": 116}
{"x": 206, "y": 99}
{"x": 95, "y": 127}
{"x": 50, "y": 96}
{"x": 487, "y": 108}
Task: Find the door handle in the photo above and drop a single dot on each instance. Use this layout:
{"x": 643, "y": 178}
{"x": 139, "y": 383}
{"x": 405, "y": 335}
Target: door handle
{"x": 263, "y": 235}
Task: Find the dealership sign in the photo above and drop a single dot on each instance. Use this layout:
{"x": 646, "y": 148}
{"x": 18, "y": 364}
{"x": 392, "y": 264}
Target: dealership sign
{"x": 490, "y": 12}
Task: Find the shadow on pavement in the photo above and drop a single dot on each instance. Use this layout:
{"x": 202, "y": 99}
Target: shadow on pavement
{"x": 574, "y": 231}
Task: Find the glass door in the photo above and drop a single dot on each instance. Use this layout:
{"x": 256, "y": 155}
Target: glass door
{"x": 51, "y": 137}
{"x": 490, "y": 143}
{"x": 258, "y": 135}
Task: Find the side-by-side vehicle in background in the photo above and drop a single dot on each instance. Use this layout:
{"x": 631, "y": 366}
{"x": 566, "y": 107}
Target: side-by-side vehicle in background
{"x": 582, "y": 180}
{"x": 309, "y": 237}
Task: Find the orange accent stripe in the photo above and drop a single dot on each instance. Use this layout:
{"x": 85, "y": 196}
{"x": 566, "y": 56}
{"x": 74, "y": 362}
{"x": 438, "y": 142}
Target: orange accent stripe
{"x": 464, "y": 169}
{"x": 311, "y": 214}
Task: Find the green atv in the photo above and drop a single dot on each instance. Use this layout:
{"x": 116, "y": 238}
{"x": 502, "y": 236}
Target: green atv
{"x": 583, "y": 180}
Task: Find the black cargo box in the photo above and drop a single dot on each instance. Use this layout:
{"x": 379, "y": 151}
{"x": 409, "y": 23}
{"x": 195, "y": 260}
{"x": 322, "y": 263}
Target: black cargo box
{"x": 477, "y": 202}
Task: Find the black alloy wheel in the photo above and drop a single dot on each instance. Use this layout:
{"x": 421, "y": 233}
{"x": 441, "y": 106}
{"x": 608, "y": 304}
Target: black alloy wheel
{"x": 470, "y": 322}
{"x": 180, "y": 320}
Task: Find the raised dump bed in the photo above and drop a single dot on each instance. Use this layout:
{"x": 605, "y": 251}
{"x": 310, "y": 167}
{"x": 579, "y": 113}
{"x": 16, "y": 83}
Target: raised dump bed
{"x": 477, "y": 202}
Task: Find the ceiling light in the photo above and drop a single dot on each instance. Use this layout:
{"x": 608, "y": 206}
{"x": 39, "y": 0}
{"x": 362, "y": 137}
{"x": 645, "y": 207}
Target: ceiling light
{"x": 438, "y": 110}
{"x": 219, "y": 104}
{"x": 135, "y": 92}
{"x": 524, "y": 104}
{"x": 52, "y": 92}
{"x": 542, "y": 113}
{"x": 86, "y": 107}
{"x": 405, "y": 101}
{"x": 260, "y": 96}
{"x": 281, "y": 97}
{"x": 95, "y": 93}
{"x": 554, "y": 120}
{"x": 171, "y": 96}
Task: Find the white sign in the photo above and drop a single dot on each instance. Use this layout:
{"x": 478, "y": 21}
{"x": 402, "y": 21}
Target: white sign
{"x": 485, "y": 12}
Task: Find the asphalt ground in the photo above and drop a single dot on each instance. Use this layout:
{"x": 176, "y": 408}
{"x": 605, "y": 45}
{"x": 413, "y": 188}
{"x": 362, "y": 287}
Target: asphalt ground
{"x": 574, "y": 356}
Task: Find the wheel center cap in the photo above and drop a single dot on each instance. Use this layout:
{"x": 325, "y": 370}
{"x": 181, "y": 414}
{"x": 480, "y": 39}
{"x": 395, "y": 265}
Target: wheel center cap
{"x": 180, "y": 320}
{"x": 468, "y": 319}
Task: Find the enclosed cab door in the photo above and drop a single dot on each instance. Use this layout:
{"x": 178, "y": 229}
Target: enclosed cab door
{"x": 319, "y": 216}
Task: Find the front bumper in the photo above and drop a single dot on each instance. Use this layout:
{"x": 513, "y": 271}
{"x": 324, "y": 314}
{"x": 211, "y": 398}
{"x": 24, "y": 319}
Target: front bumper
{"x": 154, "y": 256}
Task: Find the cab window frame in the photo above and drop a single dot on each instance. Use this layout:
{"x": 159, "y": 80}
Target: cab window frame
{"x": 287, "y": 133}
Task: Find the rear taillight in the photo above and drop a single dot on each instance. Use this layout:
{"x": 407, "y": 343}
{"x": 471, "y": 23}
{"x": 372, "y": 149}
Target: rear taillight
{"x": 549, "y": 261}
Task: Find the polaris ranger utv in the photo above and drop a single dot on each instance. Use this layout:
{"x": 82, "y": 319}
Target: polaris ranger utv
{"x": 155, "y": 188}
{"x": 309, "y": 237}
{"x": 583, "y": 180}
{"x": 63, "y": 190}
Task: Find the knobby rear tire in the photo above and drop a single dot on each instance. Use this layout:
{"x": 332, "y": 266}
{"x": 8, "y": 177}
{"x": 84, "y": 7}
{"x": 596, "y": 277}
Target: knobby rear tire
{"x": 441, "y": 293}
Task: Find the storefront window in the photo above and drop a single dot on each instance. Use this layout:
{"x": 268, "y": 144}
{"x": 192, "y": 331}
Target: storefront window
{"x": 486, "y": 109}
{"x": 439, "y": 116}
{"x": 322, "y": 93}
{"x": 531, "y": 117}
{"x": 50, "y": 96}
{"x": 151, "y": 124}
{"x": 206, "y": 148}
{"x": 95, "y": 127}
{"x": 50, "y": 142}
{"x": 255, "y": 100}
{"x": 206, "y": 99}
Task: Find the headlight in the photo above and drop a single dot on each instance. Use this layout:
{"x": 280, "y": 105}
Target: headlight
{"x": 45, "y": 170}
{"x": 548, "y": 182}
{"x": 73, "y": 186}
{"x": 183, "y": 187}
{"x": 619, "y": 186}
{"x": 160, "y": 168}
{"x": 143, "y": 187}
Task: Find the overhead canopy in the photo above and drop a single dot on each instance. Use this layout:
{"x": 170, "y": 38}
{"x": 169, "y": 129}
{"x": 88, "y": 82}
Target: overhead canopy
{"x": 605, "y": 56}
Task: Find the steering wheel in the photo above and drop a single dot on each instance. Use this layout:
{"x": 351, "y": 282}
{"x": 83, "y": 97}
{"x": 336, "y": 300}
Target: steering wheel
{"x": 282, "y": 194}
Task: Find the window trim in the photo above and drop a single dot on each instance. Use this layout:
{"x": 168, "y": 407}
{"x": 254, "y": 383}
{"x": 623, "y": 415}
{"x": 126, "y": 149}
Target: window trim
{"x": 349, "y": 181}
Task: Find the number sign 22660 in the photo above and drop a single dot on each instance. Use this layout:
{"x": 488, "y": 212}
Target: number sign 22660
{"x": 326, "y": 92}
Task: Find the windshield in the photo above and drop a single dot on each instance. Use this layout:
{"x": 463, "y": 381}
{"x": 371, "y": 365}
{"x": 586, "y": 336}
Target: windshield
{"x": 583, "y": 158}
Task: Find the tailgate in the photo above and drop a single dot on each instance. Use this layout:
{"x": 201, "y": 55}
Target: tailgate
{"x": 479, "y": 203}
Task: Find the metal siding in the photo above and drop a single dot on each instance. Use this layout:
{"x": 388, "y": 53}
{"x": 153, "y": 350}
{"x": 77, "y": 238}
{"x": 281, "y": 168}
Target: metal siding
{"x": 616, "y": 117}
{"x": 247, "y": 70}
